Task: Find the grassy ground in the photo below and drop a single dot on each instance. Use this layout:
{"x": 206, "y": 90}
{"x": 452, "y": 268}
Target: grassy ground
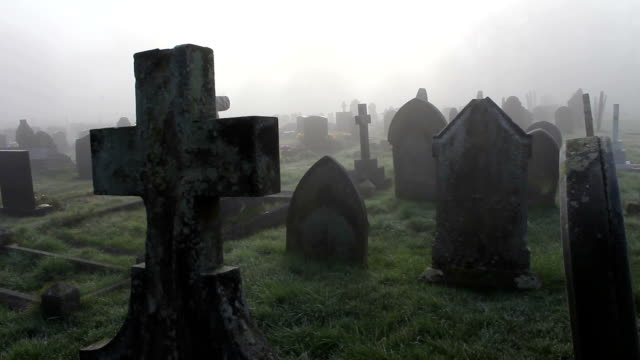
{"x": 307, "y": 310}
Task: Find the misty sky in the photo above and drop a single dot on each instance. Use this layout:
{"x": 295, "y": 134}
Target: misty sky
{"x": 69, "y": 61}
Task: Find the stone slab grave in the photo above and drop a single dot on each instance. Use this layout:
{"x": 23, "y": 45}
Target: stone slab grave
{"x": 16, "y": 185}
{"x": 599, "y": 285}
{"x": 185, "y": 304}
{"x": 481, "y": 214}
{"x": 576, "y": 110}
{"x": 410, "y": 135}
{"x": 83, "y": 158}
{"x": 543, "y": 172}
{"x": 366, "y": 168}
{"x": 550, "y": 128}
{"x": 327, "y": 217}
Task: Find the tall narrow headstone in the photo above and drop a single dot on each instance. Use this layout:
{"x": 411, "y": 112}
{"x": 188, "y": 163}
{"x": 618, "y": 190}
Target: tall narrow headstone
{"x": 619, "y": 154}
{"x": 481, "y": 215}
{"x": 576, "y": 109}
{"x": 83, "y": 158}
{"x": 367, "y": 168}
{"x": 601, "y": 300}
{"x": 185, "y": 304}
{"x": 16, "y": 185}
{"x": 327, "y": 219}
{"x": 543, "y": 169}
{"x": 588, "y": 117}
{"x": 410, "y": 134}
{"x": 480, "y": 95}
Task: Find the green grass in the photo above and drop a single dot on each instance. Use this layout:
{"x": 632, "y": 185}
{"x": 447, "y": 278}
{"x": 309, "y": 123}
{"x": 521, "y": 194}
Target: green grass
{"x": 307, "y": 310}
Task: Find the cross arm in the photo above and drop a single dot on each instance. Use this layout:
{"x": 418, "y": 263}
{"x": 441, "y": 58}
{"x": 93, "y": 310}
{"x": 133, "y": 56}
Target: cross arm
{"x": 116, "y": 161}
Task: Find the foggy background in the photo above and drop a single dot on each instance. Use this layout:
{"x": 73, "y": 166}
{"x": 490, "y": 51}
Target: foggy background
{"x": 72, "y": 61}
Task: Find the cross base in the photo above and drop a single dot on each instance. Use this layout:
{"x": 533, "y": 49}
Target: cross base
{"x": 367, "y": 169}
{"x": 482, "y": 278}
{"x": 223, "y": 328}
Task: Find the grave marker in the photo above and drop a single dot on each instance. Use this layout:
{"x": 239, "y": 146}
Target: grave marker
{"x": 543, "y": 172}
{"x": 367, "y": 168}
{"x": 588, "y": 117}
{"x": 619, "y": 154}
{"x": 185, "y": 304}
{"x": 16, "y": 185}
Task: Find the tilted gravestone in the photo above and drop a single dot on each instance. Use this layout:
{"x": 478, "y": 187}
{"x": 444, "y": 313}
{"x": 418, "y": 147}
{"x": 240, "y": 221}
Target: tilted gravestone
{"x": 563, "y": 120}
{"x": 367, "y": 168}
{"x": 599, "y": 291}
{"x": 327, "y": 219}
{"x": 452, "y": 114}
{"x": 185, "y": 304}
{"x": 543, "y": 170}
{"x": 481, "y": 214}
{"x": 551, "y": 129}
{"x": 83, "y": 157}
{"x": 410, "y": 134}
{"x": 16, "y": 185}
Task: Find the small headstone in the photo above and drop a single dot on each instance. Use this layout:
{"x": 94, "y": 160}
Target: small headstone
{"x": 222, "y": 103}
{"x": 344, "y": 122}
{"x": 619, "y": 154}
{"x": 123, "y": 121}
{"x": 59, "y": 300}
{"x": 25, "y": 137}
{"x": 551, "y": 129}
{"x": 481, "y": 214}
{"x": 563, "y": 120}
{"x": 588, "y": 117}
{"x": 83, "y": 157}
{"x": 543, "y": 170}
{"x": 410, "y": 135}
{"x": 316, "y": 132}
{"x": 60, "y": 140}
{"x": 327, "y": 219}
{"x": 518, "y": 114}
{"x": 422, "y": 94}
{"x": 599, "y": 287}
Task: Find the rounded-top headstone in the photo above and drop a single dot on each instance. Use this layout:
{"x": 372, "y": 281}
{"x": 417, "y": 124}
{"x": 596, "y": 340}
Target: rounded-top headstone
{"x": 327, "y": 218}
{"x": 563, "y": 120}
{"x": 543, "y": 172}
{"x": 123, "y": 121}
{"x": 551, "y": 129}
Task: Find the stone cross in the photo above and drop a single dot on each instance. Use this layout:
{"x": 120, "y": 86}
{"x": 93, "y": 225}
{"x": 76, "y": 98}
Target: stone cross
{"x": 588, "y": 117}
{"x": 180, "y": 159}
{"x": 616, "y": 123}
{"x": 363, "y": 120}
{"x": 599, "y": 286}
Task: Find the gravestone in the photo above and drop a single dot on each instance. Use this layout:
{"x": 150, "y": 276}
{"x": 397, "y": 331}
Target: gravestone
{"x": 16, "y": 185}
{"x": 576, "y": 109}
{"x": 367, "y": 168}
{"x": 185, "y": 304}
{"x": 60, "y": 140}
{"x": 123, "y": 121}
{"x": 481, "y": 214}
{"x": 422, "y": 94}
{"x": 25, "y": 137}
{"x": 563, "y": 120}
{"x": 588, "y": 117}
{"x": 452, "y": 114}
{"x": 543, "y": 169}
{"x": 410, "y": 135}
{"x": 344, "y": 122}
{"x": 327, "y": 219}
{"x": 480, "y": 94}
{"x": 83, "y": 158}
{"x": 551, "y": 129}
{"x": 222, "y": 103}
{"x": 518, "y": 114}
{"x": 599, "y": 290}
{"x": 619, "y": 154}
{"x": 316, "y": 132}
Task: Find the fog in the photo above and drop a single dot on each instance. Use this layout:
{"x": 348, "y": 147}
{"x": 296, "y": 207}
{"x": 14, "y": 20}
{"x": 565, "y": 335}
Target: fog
{"x": 72, "y": 61}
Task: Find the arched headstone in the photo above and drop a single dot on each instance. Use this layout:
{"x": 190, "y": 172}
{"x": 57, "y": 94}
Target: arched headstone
{"x": 410, "y": 134}
{"x": 327, "y": 219}
{"x": 551, "y": 129}
{"x": 481, "y": 214}
{"x": 543, "y": 168}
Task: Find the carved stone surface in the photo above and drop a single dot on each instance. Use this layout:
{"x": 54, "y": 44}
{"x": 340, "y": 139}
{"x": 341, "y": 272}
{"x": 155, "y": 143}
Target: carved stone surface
{"x": 551, "y": 129}
{"x": 410, "y": 134}
{"x": 601, "y": 300}
{"x": 543, "y": 170}
{"x": 481, "y": 218}
{"x": 180, "y": 159}
{"x": 327, "y": 218}
{"x": 518, "y": 114}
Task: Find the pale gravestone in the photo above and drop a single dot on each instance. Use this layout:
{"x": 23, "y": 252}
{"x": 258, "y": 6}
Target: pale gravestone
{"x": 576, "y": 109}
{"x": 481, "y": 214}
{"x": 452, "y": 114}
{"x": 543, "y": 170}
{"x": 367, "y": 168}
{"x": 600, "y": 295}
{"x": 588, "y": 117}
{"x": 315, "y": 130}
{"x": 83, "y": 158}
{"x": 422, "y": 94}
{"x": 327, "y": 219}
{"x": 619, "y": 154}
{"x": 16, "y": 185}
{"x": 185, "y": 304}
{"x": 480, "y": 94}
{"x": 410, "y": 134}
{"x": 551, "y": 129}
{"x": 563, "y": 120}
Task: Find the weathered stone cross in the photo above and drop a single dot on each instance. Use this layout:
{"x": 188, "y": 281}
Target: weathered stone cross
{"x": 184, "y": 303}
{"x": 363, "y": 120}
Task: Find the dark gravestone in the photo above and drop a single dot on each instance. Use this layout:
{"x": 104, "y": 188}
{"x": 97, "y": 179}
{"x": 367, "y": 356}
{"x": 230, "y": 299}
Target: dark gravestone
{"x": 410, "y": 134}
{"x": 25, "y": 137}
{"x": 16, "y": 184}
{"x": 588, "y": 117}
{"x": 549, "y": 128}
{"x": 327, "y": 218}
{"x": 316, "y": 132}
{"x": 603, "y": 317}
{"x": 518, "y": 114}
{"x": 563, "y": 120}
{"x": 185, "y": 304}
{"x": 543, "y": 169}
{"x": 83, "y": 157}
{"x": 59, "y": 300}
{"x": 481, "y": 219}
{"x": 367, "y": 168}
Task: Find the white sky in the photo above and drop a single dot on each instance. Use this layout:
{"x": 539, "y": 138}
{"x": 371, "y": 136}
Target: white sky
{"x": 72, "y": 61}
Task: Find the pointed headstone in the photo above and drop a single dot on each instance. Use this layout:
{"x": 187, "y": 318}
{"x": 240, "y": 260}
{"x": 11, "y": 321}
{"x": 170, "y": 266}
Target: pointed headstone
{"x": 543, "y": 170}
{"x": 452, "y": 114}
{"x": 619, "y": 154}
{"x": 588, "y": 117}
{"x": 481, "y": 215}
{"x": 16, "y": 185}
{"x": 185, "y": 304}
{"x": 599, "y": 287}
{"x": 327, "y": 219}
{"x": 316, "y": 132}
{"x": 551, "y": 129}
{"x": 422, "y": 94}
{"x": 410, "y": 135}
